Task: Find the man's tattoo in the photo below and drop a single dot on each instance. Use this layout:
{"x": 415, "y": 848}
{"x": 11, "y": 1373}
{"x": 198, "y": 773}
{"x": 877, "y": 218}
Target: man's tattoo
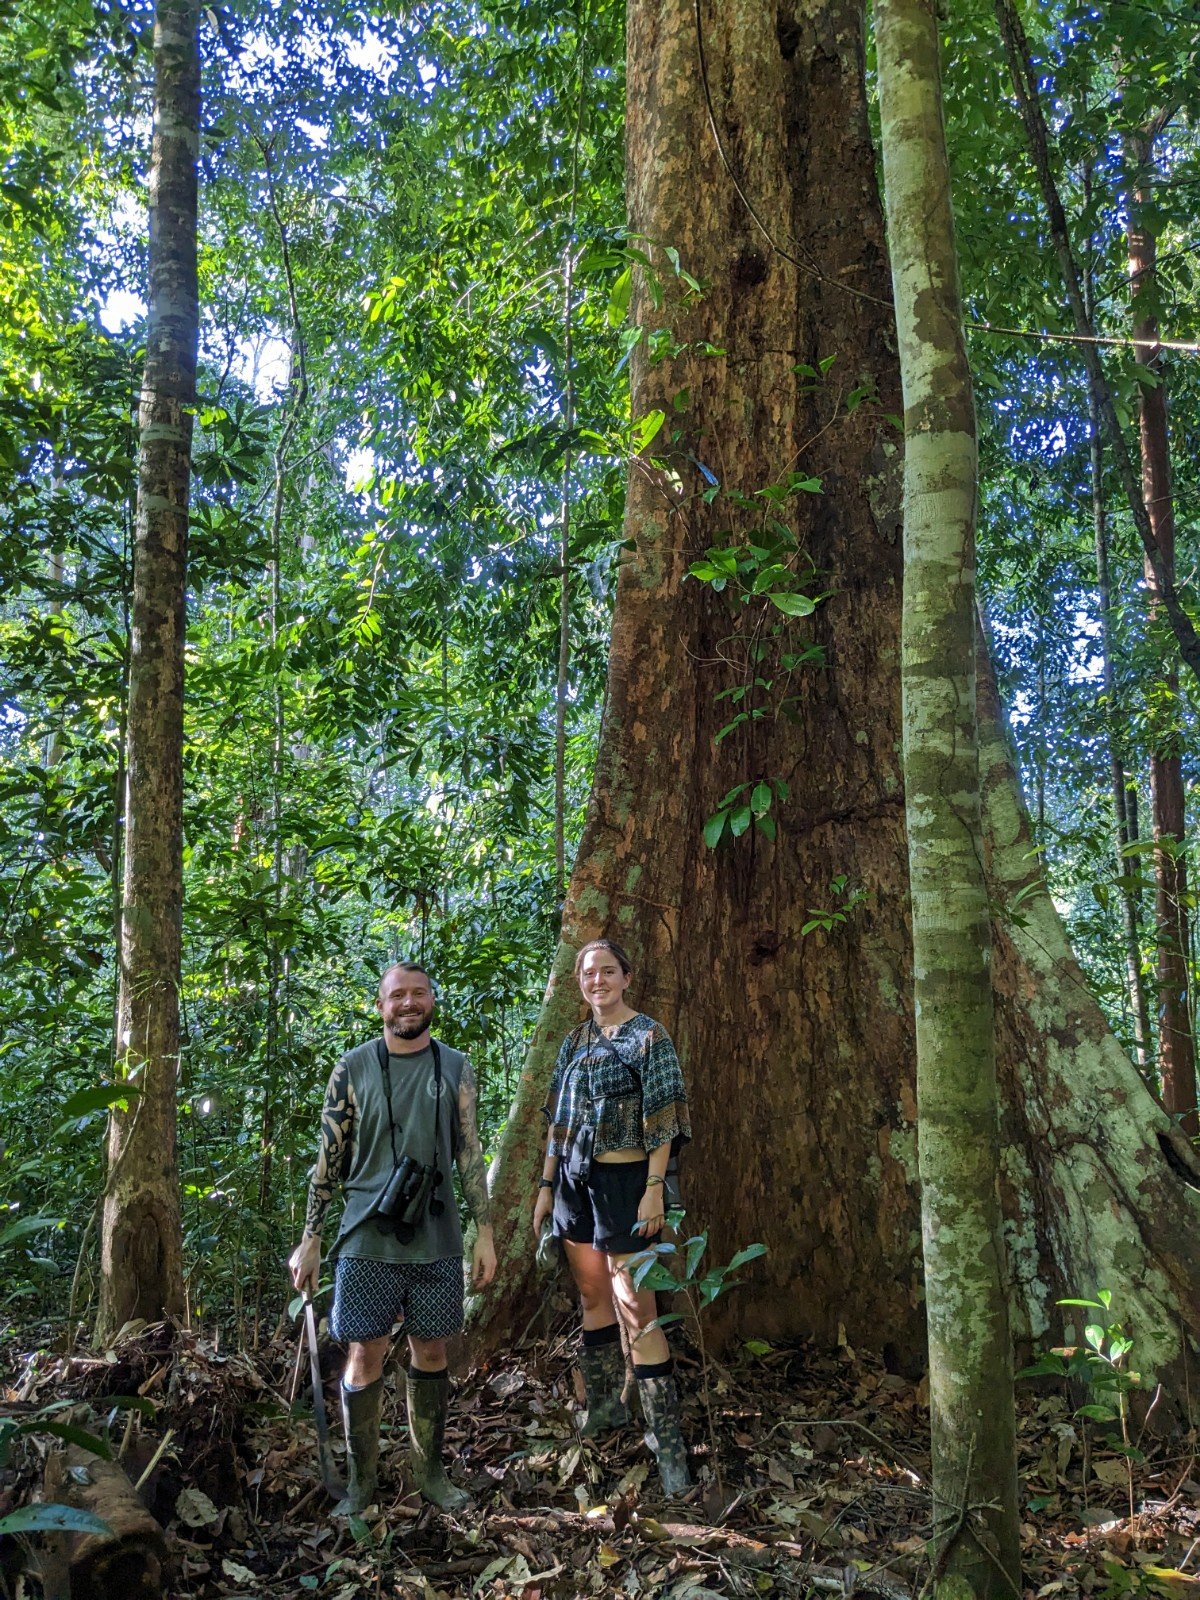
{"x": 337, "y": 1126}
{"x": 472, "y": 1170}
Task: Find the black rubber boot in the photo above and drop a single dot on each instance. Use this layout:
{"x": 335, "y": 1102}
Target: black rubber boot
{"x": 602, "y": 1363}
{"x": 660, "y": 1407}
{"x": 428, "y": 1396}
{"x": 360, "y": 1418}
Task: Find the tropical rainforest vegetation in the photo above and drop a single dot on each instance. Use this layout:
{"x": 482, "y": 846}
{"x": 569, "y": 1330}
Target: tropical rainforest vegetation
{"x": 545, "y": 540}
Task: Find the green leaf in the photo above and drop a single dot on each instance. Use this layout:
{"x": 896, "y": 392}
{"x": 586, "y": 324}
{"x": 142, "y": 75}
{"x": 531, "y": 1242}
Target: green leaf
{"x": 766, "y": 826}
{"x": 694, "y": 1250}
{"x": 751, "y": 1252}
{"x": 740, "y": 821}
{"x": 793, "y": 605}
{"x": 127, "y": 1402}
{"x": 99, "y": 1098}
{"x": 72, "y": 1435}
{"x": 713, "y": 829}
{"x": 52, "y": 1519}
{"x": 757, "y": 1347}
{"x": 646, "y": 430}
{"x": 26, "y": 1225}
{"x": 760, "y": 800}
{"x": 618, "y": 299}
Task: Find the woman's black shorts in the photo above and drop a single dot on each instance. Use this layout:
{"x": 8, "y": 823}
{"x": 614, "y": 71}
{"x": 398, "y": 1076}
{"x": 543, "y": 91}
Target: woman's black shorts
{"x": 601, "y": 1209}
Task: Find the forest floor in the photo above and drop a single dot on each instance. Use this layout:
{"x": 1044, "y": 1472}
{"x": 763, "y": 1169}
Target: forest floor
{"x": 823, "y": 1482}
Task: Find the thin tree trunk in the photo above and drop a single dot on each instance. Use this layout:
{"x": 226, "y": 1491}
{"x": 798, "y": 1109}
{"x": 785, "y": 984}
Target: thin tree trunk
{"x": 141, "y": 1248}
{"x": 1032, "y": 114}
{"x": 1126, "y": 865}
{"x": 564, "y": 590}
{"x": 976, "y": 1546}
{"x": 1176, "y": 1048}
{"x": 55, "y": 574}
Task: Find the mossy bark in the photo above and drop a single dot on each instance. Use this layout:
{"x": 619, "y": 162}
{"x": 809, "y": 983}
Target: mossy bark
{"x": 976, "y": 1543}
{"x": 141, "y": 1246}
{"x": 798, "y": 1046}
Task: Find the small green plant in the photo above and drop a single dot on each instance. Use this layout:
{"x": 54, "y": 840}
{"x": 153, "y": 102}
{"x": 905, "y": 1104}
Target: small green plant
{"x": 677, "y": 1267}
{"x": 1100, "y": 1362}
{"x": 827, "y": 919}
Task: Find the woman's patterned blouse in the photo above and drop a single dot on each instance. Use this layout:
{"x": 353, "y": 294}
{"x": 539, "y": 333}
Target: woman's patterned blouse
{"x": 628, "y": 1088}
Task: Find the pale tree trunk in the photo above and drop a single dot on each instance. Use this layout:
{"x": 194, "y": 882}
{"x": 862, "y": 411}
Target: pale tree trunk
{"x": 798, "y": 1046}
{"x": 1176, "y": 1047}
{"x": 976, "y": 1538}
{"x": 141, "y": 1252}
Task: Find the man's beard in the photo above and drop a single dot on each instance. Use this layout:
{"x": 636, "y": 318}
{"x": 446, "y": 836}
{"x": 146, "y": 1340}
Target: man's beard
{"x": 410, "y": 1027}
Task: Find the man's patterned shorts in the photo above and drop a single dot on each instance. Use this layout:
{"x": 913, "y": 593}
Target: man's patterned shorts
{"x": 369, "y": 1297}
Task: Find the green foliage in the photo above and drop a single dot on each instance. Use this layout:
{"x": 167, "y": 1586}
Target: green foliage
{"x": 1099, "y": 1362}
{"x": 675, "y": 1266}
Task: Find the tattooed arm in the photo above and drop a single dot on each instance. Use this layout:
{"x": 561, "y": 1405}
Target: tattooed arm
{"x": 333, "y": 1156}
{"x": 472, "y": 1173}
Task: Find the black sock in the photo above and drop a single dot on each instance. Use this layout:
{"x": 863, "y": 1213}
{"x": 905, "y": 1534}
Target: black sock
{"x": 592, "y": 1337}
{"x": 428, "y": 1377}
{"x": 656, "y": 1369}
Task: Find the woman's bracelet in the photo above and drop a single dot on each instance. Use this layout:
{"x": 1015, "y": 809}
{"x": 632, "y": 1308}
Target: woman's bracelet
{"x": 654, "y": 1178}
{"x": 545, "y": 1183}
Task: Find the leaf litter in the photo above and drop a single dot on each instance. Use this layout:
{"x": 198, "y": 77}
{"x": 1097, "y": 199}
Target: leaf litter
{"x": 822, "y": 1485}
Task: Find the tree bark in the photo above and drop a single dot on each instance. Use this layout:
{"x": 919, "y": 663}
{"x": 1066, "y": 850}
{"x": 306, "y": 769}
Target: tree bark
{"x": 141, "y": 1249}
{"x": 798, "y": 1045}
{"x": 976, "y": 1543}
{"x": 1176, "y": 1046}
{"x": 130, "y": 1562}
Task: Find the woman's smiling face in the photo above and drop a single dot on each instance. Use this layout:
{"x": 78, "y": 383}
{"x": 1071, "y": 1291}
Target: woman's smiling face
{"x": 601, "y": 980}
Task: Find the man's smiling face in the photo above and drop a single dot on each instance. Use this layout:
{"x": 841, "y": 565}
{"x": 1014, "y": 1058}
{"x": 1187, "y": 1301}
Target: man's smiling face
{"x": 405, "y": 1003}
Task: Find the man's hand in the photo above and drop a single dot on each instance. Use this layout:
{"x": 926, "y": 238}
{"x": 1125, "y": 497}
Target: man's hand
{"x": 483, "y": 1259}
{"x": 305, "y": 1263}
{"x": 542, "y": 1207}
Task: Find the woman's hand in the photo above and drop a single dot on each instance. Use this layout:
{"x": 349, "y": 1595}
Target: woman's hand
{"x": 542, "y": 1207}
{"x": 651, "y": 1215}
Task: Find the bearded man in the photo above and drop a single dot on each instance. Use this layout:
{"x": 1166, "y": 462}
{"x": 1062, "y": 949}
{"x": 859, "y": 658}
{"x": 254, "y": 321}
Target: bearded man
{"x": 398, "y": 1112}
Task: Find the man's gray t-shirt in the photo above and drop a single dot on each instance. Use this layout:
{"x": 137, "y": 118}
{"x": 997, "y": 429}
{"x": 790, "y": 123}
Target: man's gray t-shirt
{"x": 410, "y": 1079}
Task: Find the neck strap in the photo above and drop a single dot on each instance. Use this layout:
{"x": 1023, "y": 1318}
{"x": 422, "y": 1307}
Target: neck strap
{"x": 385, "y": 1065}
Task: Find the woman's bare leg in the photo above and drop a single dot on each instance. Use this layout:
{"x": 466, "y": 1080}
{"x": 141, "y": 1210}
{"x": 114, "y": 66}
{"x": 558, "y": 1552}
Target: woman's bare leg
{"x": 589, "y": 1268}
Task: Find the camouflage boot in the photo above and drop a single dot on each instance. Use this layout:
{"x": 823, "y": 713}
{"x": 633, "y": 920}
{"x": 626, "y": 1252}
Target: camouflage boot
{"x": 660, "y": 1407}
{"x": 360, "y": 1418}
{"x": 428, "y": 1396}
{"x": 602, "y": 1363}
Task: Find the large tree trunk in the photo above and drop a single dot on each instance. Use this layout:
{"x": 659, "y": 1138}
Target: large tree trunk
{"x": 141, "y": 1251}
{"x": 798, "y": 1045}
{"x": 1176, "y": 1047}
{"x": 976, "y": 1542}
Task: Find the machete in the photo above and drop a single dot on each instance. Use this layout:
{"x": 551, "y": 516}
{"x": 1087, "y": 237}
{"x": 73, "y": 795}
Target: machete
{"x": 329, "y": 1477}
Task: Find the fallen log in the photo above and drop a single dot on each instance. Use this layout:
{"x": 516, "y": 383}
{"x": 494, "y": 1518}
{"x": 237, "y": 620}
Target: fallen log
{"x": 127, "y": 1563}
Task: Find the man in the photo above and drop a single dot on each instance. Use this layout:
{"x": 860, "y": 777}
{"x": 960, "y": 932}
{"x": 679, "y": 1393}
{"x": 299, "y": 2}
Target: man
{"x": 403, "y": 1096}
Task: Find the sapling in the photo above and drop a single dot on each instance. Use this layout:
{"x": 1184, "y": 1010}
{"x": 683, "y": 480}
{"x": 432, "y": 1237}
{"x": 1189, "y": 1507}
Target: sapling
{"x": 1100, "y": 1364}
{"x": 675, "y": 1267}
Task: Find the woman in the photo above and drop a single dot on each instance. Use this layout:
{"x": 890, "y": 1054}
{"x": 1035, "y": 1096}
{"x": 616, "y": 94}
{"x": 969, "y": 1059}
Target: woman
{"x": 616, "y": 1107}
